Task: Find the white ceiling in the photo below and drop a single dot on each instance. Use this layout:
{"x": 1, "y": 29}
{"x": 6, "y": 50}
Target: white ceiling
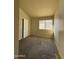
{"x": 37, "y": 8}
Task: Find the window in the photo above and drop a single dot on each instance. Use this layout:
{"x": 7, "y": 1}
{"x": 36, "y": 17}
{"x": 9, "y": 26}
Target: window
{"x": 46, "y": 24}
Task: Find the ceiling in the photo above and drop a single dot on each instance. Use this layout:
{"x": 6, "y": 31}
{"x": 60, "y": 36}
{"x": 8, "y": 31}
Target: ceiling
{"x": 37, "y": 8}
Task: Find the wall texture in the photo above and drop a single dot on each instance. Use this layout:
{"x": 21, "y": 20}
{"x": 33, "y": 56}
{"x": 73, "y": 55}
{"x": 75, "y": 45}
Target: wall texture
{"x": 23, "y": 15}
{"x": 35, "y": 28}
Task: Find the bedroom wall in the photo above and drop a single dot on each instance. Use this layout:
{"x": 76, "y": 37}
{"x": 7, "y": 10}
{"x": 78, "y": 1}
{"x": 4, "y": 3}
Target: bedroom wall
{"x": 59, "y": 37}
{"x": 36, "y": 31}
{"x": 59, "y": 28}
{"x": 23, "y": 15}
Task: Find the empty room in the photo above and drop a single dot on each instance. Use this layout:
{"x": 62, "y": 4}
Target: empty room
{"x": 39, "y": 29}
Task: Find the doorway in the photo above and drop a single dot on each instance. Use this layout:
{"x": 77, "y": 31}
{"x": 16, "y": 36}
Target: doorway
{"x": 25, "y": 28}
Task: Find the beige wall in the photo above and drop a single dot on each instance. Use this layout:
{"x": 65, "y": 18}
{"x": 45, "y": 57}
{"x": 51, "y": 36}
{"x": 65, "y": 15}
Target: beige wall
{"x": 16, "y": 27}
{"x": 59, "y": 28}
{"x": 23, "y": 15}
{"x": 59, "y": 37}
{"x": 35, "y": 29}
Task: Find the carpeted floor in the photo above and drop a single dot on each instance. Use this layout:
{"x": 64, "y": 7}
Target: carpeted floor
{"x": 37, "y": 48}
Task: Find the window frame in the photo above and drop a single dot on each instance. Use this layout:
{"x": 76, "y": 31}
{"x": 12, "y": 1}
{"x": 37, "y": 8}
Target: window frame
{"x": 44, "y": 25}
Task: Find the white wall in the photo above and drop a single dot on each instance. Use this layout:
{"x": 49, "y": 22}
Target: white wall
{"x": 59, "y": 36}
{"x": 59, "y": 28}
{"x": 23, "y": 15}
